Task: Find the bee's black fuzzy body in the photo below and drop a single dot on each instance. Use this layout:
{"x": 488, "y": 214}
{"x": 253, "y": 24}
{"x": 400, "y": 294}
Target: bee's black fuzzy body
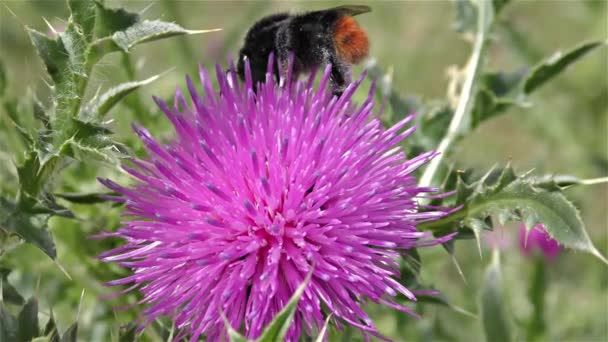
{"x": 315, "y": 38}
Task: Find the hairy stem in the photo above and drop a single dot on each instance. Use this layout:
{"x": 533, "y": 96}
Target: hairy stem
{"x": 467, "y": 95}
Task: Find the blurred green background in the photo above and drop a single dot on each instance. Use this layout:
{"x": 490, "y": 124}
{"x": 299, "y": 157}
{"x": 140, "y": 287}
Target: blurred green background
{"x": 564, "y": 131}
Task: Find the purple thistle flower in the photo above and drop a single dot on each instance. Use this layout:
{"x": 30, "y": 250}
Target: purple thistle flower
{"x": 259, "y": 187}
{"x": 537, "y": 239}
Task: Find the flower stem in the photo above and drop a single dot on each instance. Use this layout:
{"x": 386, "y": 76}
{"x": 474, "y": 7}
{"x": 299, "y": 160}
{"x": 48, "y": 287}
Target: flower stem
{"x": 467, "y": 97}
{"x": 594, "y": 181}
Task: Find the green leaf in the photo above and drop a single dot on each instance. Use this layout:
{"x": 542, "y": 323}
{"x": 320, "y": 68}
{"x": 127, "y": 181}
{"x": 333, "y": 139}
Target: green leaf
{"x": 50, "y": 329}
{"x": 492, "y": 305}
{"x": 110, "y": 20}
{"x": 499, "y": 5}
{"x": 98, "y": 107}
{"x": 40, "y": 113}
{"x": 83, "y": 15}
{"x": 127, "y": 333}
{"x": 276, "y": 330}
{"x": 11, "y": 108}
{"x": 100, "y": 148}
{"x": 233, "y": 335}
{"x": 557, "y": 63}
{"x": 84, "y": 198}
{"x": 149, "y": 30}
{"x": 323, "y": 331}
{"x": 141, "y": 32}
{"x": 410, "y": 268}
{"x": 71, "y": 335}
{"x": 8, "y": 325}
{"x": 53, "y": 54}
{"x": 536, "y": 293}
{"x": 2, "y": 79}
{"x": 28, "y": 321}
{"x": 9, "y": 293}
{"x": 502, "y": 193}
{"x": 35, "y": 171}
{"x": 32, "y": 229}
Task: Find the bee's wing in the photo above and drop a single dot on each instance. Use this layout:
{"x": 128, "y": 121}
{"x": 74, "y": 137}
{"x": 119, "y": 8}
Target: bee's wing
{"x": 351, "y": 10}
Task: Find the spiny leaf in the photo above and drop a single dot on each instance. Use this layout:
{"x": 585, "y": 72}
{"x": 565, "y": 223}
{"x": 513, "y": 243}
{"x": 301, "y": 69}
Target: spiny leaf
{"x": 557, "y": 63}
{"x": 26, "y": 134}
{"x": 30, "y": 227}
{"x": 53, "y": 54}
{"x": 276, "y": 330}
{"x": 98, "y": 107}
{"x": 141, "y": 32}
{"x": 492, "y": 305}
{"x": 83, "y": 14}
{"x": 84, "y": 198}
{"x": 98, "y": 148}
{"x": 28, "y": 321}
{"x": 502, "y": 193}
{"x": 40, "y": 113}
{"x": 84, "y": 130}
{"x": 497, "y": 92}
{"x": 110, "y": 20}
{"x": 149, "y": 30}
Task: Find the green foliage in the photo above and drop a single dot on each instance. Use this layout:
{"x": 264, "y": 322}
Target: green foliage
{"x": 536, "y": 293}
{"x": 9, "y": 293}
{"x": 98, "y": 107}
{"x": 554, "y": 65}
{"x": 28, "y": 321}
{"x": 25, "y": 326}
{"x": 277, "y": 329}
{"x": 493, "y": 305}
{"x": 69, "y": 129}
{"x": 57, "y": 144}
{"x": 503, "y": 194}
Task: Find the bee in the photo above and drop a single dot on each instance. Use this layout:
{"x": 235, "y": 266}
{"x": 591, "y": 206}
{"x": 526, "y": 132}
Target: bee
{"x": 330, "y": 36}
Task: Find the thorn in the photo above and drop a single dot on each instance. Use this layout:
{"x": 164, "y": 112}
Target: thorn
{"x": 80, "y": 305}
{"x": 14, "y": 15}
{"x": 599, "y": 255}
{"x": 457, "y": 265}
{"x": 146, "y": 8}
{"x": 63, "y": 270}
{"x": 55, "y": 33}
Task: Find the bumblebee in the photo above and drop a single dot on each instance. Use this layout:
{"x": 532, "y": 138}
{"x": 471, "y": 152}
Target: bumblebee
{"x": 330, "y": 36}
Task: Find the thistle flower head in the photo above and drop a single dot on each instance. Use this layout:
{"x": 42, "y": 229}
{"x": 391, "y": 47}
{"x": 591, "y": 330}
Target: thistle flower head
{"x": 259, "y": 186}
{"x": 538, "y": 240}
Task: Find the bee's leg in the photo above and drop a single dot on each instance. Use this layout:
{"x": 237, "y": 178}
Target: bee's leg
{"x": 341, "y": 76}
{"x": 283, "y": 65}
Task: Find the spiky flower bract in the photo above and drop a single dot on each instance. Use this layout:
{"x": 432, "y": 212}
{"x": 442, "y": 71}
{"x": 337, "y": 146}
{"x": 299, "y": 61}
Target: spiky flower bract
{"x": 258, "y": 187}
{"x": 538, "y": 240}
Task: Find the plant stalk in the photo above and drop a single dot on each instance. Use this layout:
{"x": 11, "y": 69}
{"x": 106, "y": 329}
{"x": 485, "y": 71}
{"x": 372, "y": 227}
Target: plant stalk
{"x": 467, "y": 95}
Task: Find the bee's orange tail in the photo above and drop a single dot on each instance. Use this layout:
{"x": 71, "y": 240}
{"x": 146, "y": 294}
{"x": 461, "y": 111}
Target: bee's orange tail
{"x": 350, "y": 40}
